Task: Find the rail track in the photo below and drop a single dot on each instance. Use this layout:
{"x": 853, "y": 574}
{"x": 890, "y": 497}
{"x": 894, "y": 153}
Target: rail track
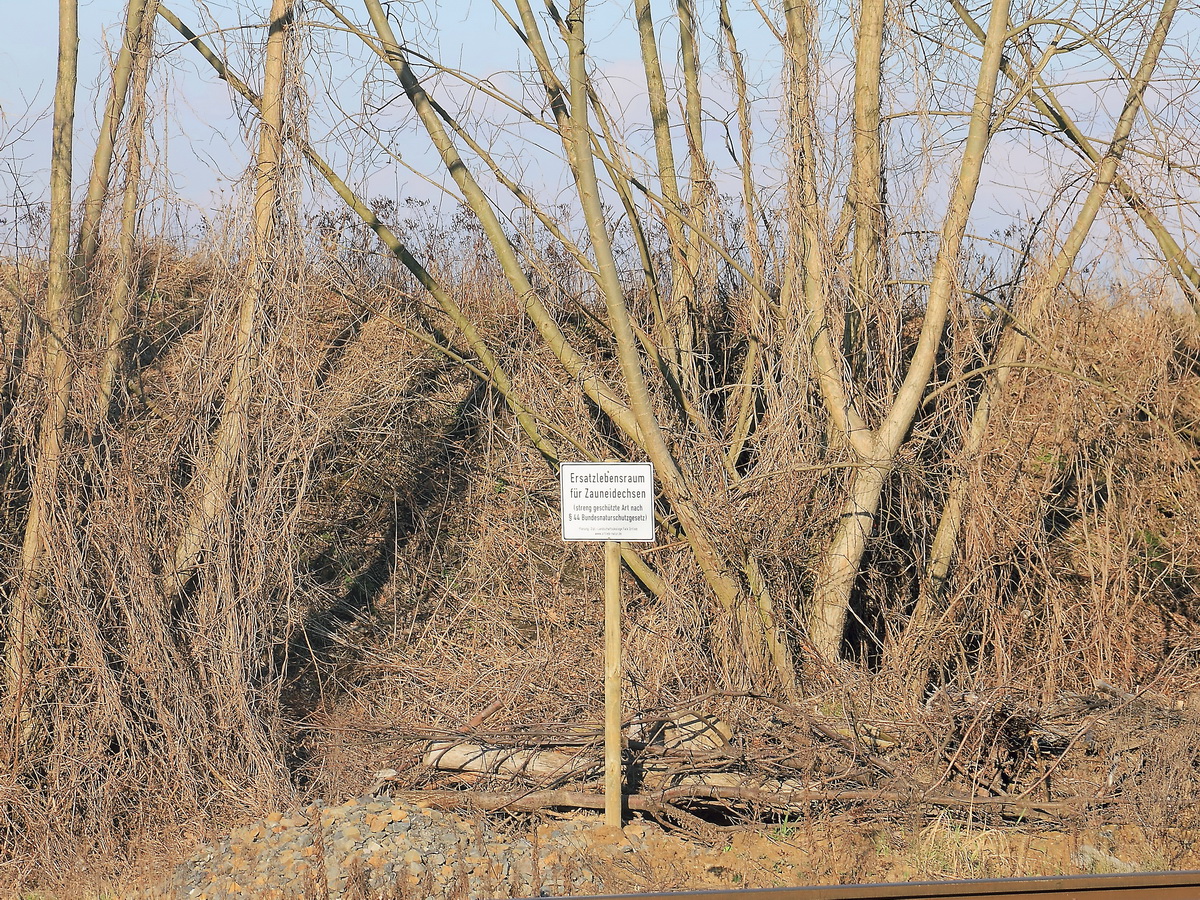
{"x": 1148, "y": 885}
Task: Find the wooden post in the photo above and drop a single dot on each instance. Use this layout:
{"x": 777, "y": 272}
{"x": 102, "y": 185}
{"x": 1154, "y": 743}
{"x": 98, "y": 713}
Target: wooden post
{"x": 612, "y": 683}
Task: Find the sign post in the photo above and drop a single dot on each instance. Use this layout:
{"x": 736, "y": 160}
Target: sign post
{"x": 609, "y": 502}
{"x": 613, "y": 772}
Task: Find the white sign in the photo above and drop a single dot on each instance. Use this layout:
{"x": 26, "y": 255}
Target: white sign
{"x": 607, "y": 501}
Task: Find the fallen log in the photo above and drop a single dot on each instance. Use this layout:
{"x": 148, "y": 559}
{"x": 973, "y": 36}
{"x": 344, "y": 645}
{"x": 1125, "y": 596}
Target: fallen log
{"x": 656, "y": 775}
{"x": 455, "y": 756}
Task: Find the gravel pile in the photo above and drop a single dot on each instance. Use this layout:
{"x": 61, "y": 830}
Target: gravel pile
{"x": 377, "y": 846}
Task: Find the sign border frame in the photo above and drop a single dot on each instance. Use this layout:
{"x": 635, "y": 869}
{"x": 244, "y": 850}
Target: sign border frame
{"x": 562, "y": 497}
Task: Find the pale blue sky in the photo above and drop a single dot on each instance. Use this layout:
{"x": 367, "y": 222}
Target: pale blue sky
{"x": 28, "y": 58}
{"x": 206, "y": 150}
{"x": 205, "y": 145}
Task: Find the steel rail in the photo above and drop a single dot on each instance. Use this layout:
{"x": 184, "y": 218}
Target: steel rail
{"x": 1149, "y": 885}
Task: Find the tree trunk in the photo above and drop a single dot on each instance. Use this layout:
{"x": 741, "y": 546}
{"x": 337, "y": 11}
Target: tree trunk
{"x": 839, "y": 569}
{"x": 211, "y": 486}
{"x": 865, "y": 194}
{"x": 125, "y": 283}
{"x": 89, "y": 226}
{"x": 688, "y": 295}
{"x": 25, "y": 615}
{"x": 664, "y": 153}
{"x": 830, "y": 601}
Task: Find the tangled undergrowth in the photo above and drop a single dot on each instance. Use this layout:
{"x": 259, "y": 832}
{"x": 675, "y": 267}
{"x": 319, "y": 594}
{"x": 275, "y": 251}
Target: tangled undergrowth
{"x": 393, "y": 565}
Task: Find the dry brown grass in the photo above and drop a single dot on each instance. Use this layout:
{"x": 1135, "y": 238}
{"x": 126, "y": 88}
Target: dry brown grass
{"x": 390, "y": 564}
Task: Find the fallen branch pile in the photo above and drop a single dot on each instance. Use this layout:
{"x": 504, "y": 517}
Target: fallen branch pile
{"x": 987, "y": 754}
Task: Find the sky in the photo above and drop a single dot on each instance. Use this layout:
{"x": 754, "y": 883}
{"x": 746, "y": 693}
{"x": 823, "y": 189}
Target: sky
{"x": 206, "y": 143}
{"x": 28, "y": 57}
{"x": 204, "y": 150}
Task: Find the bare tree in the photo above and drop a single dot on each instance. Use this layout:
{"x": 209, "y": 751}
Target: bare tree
{"x": 139, "y": 44}
{"x": 757, "y": 267}
{"x": 212, "y": 485}
{"x": 25, "y": 617}
{"x": 1013, "y": 341}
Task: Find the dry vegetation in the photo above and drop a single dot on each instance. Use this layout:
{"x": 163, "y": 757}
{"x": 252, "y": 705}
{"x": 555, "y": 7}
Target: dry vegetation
{"x": 395, "y": 566}
{"x": 317, "y": 527}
